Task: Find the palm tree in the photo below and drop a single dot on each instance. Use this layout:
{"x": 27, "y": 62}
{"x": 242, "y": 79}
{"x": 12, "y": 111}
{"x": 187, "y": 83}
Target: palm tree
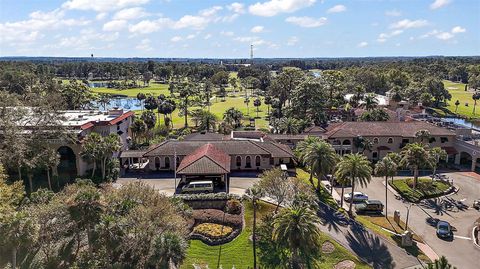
{"x": 138, "y": 128}
{"x": 141, "y": 96}
{"x": 302, "y": 149}
{"x": 437, "y": 154}
{"x": 457, "y": 103}
{"x": 423, "y": 135}
{"x": 233, "y": 117}
{"x": 49, "y": 158}
{"x": 386, "y": 168}
{"x": 254, "y": 193}
{"x": 475, "y": 97}
{"x": 441, "y": 263}
{"x": 296, "y": 229}
{"x": 90, "y": 150}
{"x": 206, "y": 120}
{"x": 343, "y": 182}
{"x": 104, "y": 100}
{"x": 247, "y": 102}
{"x": 414, "y": 156}
{"x": 169, "y": 248}
{"x": 370, "y": 101}
{"x": 289, "y": 126}
{"x": 268, "y": 101}
{"x": 257, "y": 103}
{"x": 357, "y": 168}
{"x": 362, "y": 144}
{"x": 321, "y": 158}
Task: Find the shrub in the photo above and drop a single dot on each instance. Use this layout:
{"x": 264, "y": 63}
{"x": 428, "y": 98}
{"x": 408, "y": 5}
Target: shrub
{"x": 217, "y": 216}
{"x": 233, "y": 207}
{"x": 213, "y": 230}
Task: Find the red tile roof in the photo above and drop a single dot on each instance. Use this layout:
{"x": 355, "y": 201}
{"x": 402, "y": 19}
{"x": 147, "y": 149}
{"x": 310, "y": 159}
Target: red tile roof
{"x": 206, "y": 159}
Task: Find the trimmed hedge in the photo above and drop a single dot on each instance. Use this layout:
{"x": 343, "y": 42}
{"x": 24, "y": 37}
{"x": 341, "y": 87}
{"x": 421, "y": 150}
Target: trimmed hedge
{"x": 426, "y": 188}
{"x": 218, "y": 217}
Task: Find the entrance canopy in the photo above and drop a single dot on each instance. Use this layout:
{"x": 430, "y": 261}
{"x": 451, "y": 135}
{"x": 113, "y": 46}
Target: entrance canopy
{"x": 205, "y": 160}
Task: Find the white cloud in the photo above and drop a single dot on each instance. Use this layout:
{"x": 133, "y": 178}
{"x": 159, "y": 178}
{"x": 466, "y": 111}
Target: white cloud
{"x": 458, "y": 29}
{"x": 257, "y": 29}
{"x": 384, "y": 36}
{"x": 445, "y": 35}
{"x": 189, "y": 21}
{"x": 337, "y": 9}
{"x": 210, "y": 11}
{"x": 149, "y": 26}
{"x": 130, "y": 14}
{"x": 176, "y": 39}
{"x": 207, "y": 36}
{"x": 407, "y": 24}
{"x": 253, "y": 40}
{"x": 292, "y": 41}
{"x": 84, "y": 40}
{"x": 393, "y": 13}
{"x": 274, "y": 7}
{"x": 362, "y": 44}
{"x": 439, "y": 3}
{"x": 115, "y": 25}
{"x": 429, "y": 34}
{"x": 191, "y": 36}
{"x": 307, "y": 22}
{"x": 101, "y": 16}
{"x": 103, "y": 5}
{"x": 236, "y": 7}
{"x": 144, "y": 45}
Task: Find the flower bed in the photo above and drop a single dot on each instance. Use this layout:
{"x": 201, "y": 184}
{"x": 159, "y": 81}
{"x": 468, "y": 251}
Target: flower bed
{"x": 213, "y": 230}
{"x": 426, "y": 188}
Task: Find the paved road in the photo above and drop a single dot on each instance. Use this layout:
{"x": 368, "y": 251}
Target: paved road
{"x": 373, "y": 249}
{"x": 460, "y": 251}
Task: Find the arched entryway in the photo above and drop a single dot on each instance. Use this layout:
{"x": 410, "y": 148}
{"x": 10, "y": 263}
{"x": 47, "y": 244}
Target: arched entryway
{"x": 67, "y": 167}
{"x": 465, "y": 159}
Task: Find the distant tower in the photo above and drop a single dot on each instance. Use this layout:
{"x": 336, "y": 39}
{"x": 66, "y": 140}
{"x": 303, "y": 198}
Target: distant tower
{"x": 251, "y": 52}
{"x": 91, "y": 55}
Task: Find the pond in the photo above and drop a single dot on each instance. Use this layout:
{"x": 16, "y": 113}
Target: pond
{"x": 463, "y": 122}
{"x": 97, "y": 84}
{"x": 127, "y": 103}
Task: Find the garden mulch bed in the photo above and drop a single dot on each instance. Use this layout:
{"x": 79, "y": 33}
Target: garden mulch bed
{"x": 346, "y": 264}
{"x": 327, "y": 247}
{"x": 426, "y": 188}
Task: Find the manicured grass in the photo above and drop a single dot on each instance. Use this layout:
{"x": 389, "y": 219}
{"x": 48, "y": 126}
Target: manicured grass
{"x": 457, "y": 90}
{"x": 324, "y": 194}
{"x": 154, "y": 88}
{"x": 425, "y": 188}
{"x": 375, "y": 224}
{"x": 239, "y": 252}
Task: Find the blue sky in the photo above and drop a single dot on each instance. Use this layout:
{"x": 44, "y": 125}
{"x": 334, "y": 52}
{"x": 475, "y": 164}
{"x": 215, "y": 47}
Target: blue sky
{"x": 219, "y": 29}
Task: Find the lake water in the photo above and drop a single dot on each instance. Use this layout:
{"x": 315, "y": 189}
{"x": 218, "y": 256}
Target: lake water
{"x": 463, "y": 122}
{"x": 128, "y": 103}
{"x": 97, "y": 84}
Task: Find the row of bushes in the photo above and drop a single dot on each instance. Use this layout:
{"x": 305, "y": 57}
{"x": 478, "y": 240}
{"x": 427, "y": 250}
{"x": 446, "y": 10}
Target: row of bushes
{"x": 218, "y": 217}
{"x": 425, "y": 189}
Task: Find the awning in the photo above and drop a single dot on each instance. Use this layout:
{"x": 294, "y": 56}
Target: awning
{"x": 450, "y": 150}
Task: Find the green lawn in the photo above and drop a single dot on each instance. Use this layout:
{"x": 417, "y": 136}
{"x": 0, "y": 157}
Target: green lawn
{"x": 425, "y": 188}
{"x": 457, "y": 90}
{"x": 239, "y": 252}
{"x": 324, "y": 194}
{"x": 154, "y": 88}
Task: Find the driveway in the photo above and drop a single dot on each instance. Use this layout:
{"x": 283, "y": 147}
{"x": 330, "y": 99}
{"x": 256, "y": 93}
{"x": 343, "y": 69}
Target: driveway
{"x": 166, "y": 184}
{"x": 460, "y": 251}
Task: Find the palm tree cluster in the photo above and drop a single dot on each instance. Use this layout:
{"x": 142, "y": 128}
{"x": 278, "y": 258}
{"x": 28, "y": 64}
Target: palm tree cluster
{"x": 99, "y": 150}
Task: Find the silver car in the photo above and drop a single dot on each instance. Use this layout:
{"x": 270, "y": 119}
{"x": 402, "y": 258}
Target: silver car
{"x": 357, "y": 197}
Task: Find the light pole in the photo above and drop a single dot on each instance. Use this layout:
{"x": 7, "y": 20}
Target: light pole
{"x": 408, "y": 213}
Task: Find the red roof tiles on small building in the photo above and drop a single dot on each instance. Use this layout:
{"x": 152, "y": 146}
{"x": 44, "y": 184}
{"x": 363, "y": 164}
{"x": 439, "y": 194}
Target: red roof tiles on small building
{"x": 206, "y": 159}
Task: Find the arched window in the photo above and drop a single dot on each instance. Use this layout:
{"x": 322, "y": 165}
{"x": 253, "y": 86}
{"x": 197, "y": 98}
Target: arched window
{"x": 390, "y": 140}
{"x": 167, "y": 162}
{"x": 346, "y": 142}
{"x": 257, "y": 161}
{"x": 432, "y": 140}
{"x": 248, "y": 162}
{"x": 157, "y": 163}
{"x": 375, "y": 140}
{"x": 177, "y": 161}
{"x": 238, "y": 160}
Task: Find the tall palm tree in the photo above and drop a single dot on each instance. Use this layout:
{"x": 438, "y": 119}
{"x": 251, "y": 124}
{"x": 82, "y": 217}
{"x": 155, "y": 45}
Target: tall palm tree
{"x": 475, "y": 97}
{"x": 141, "y": 96}
{"x": 296, "y": 229}
{"x": 254, "y": 193}
{"x": 289, "y": 125}
{"x": 457, "y": 103}
{"x": 415, "y": 156}
{"x": 386, "y": 167}
{"x": 301, "y": 152}
{"x": 437, "y": 154}
{"x": 233, "y": 117}
{"x": 321, "y": 158}
{"x": 357, "y": 168}
{"x": 206, "y": 120}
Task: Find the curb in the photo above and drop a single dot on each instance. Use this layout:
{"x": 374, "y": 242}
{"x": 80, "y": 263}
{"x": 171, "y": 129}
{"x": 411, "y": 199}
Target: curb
{"x": 474, "y": 239}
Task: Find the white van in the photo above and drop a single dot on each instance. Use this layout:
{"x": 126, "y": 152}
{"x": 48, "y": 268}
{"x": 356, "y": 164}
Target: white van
{"x": 198, "y": 186}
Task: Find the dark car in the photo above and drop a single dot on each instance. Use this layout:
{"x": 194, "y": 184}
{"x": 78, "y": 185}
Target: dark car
{"x": 369, "y": 207}
{"x": 476, "y": 204}
{"x": 444, "y": 229}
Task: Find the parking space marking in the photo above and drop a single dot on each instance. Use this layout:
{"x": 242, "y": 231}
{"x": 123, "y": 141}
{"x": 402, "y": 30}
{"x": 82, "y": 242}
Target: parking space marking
{"x": 462, "y": 237}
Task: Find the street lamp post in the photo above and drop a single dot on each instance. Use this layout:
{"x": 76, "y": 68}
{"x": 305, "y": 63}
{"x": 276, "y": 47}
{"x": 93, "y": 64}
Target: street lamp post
{"x": 408, "y": 213}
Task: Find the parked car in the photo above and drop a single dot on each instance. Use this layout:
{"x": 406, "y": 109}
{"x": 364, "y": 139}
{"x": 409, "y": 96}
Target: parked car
{"x": 369, "y": 207}
{"x": 198, "y": 187}
{"x": 444, "y": 229}
{"x": 357, "y": 197}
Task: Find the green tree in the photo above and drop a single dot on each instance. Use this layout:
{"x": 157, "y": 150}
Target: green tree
{"x": 437, "y": 154}
{"x": 301, "y": 151}
{"x": 276, "y": 184}
{"x": 423, "y": 136}
{"x": 168, "y": 248}
{"x": 233, "y": 117}
{"x": 475, "y": 97}
{"x": 296, "y": 229}
{"x": 357, "y": 168}
{"x": 321, "y": 159}
{"x": 415, "y": 156}
{"x": 386, "y": 167}
{"x": 254, "y": 193}
{"x": 49, "y": 160}
{"x": 91, "y": 149}
{"x": 457, "y": 103}
{"x": 441, "y": 263}
{"x": 257, "y": 103}
{"x": 370, "y": 101}
{"x": 141, "y": 97}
